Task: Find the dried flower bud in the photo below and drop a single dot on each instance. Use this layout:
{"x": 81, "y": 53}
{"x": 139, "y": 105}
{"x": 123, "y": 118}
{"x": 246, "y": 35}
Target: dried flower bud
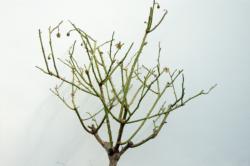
{"x": 58, "y": 35}
{"x": 49, "y": 57}
{"x": 68, "y": 34}
{"x": 166, "y": 69}
{"x": 158, "y": 6}
{"x": 119, "y": 45}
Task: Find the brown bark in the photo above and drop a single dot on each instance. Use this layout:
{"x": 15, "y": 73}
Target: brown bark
{"x": 113, "y": 162}
{"x": 113, "y": 159}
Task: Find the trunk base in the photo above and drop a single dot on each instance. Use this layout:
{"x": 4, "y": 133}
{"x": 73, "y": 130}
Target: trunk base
{"x": 113, "y": 159}
{"x": 113, "y": 162}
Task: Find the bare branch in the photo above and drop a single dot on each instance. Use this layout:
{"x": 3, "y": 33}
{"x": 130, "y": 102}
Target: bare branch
{"x": 43, "y": 51}
{"x": 120, "y": 84}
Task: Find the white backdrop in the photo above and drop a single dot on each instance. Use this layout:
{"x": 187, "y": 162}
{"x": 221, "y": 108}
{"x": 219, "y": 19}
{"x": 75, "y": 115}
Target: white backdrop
{"x": 208, "y": 39}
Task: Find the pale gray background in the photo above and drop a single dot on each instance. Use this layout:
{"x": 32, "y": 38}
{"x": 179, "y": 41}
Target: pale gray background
{"x": 209, "y": 39}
